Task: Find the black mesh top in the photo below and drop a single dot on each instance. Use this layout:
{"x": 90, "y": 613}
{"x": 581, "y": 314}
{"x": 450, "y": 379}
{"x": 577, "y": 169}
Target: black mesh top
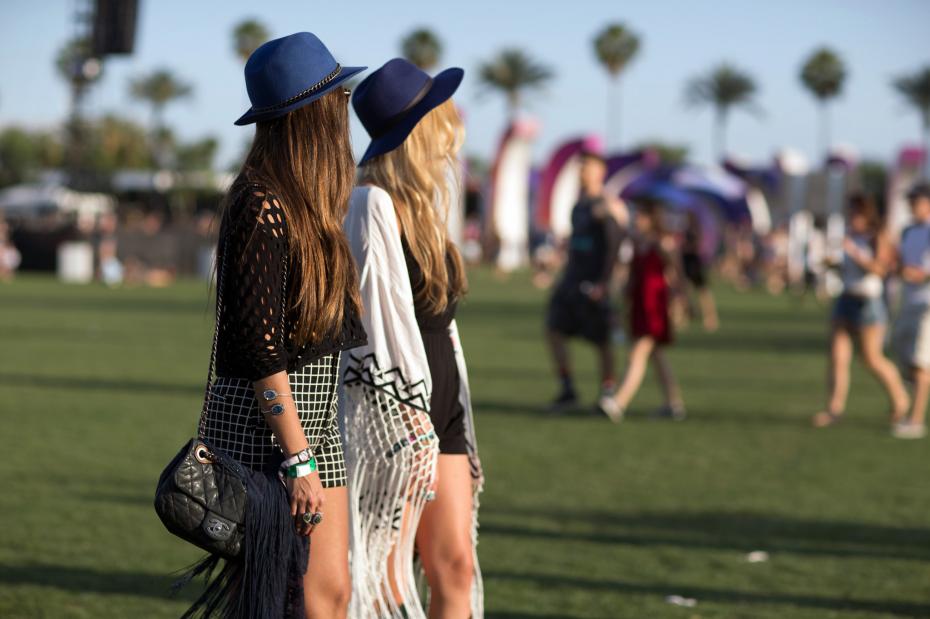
{"x": 253, "y": 244}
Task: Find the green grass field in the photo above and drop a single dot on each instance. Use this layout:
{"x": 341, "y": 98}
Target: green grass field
{"x": 580, "y": 518}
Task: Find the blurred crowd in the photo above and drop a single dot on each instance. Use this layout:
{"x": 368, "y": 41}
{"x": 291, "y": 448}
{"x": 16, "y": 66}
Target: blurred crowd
{"x": 648, "y": 255}
{"x": 135, "y": 247}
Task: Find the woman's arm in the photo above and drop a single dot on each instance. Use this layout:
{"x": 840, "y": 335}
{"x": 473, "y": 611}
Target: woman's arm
{"x": 258, "y": 259}
{"x": 395, "y": 344}
{"x": 878, "y": 264}
{"x": 673, "y": 269}
{"x": 285, "y": 424}
{"x": 280, "y": 413}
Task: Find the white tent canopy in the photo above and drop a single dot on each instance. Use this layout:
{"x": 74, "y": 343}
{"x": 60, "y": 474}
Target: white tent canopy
{"x": 38, "y": 200}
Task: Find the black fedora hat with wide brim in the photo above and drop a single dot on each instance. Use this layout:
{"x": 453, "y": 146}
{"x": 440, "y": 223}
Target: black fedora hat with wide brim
{"x": 389, "y": 131}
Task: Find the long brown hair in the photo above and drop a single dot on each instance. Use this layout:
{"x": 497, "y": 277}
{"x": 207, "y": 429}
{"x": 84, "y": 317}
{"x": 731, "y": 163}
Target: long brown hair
{"x": 305, "y": 159}
{"x": 421, "y": 176}
{"x": 651, "y": 209}
{"x": 864, "y": 204}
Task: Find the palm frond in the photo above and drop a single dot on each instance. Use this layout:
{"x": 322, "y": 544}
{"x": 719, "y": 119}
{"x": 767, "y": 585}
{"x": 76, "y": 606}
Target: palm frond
{"x": 724, "y": 87}
{"x": 915, "y": 90}
{"x": 615, "y": 46}
{"x": 823, "y": 74}
{"x": 513, "y": 71}
{"x": 422, "y": 47}
{"x": 248, "y": 35}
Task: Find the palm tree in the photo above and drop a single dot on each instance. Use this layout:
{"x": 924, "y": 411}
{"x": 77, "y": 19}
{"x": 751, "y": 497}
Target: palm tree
{"x": 823, "y": 74}
{"x": 615, "y": 46}
{"x": 422, "y": 47}
{"x": 248, "y": 35}
{"x": 724, "y": 87}
{"x": 512, "y": 72}
{"x": 915, "y": 89}
{"x": 78, "y": 66}
{"x": 158, "y": 89}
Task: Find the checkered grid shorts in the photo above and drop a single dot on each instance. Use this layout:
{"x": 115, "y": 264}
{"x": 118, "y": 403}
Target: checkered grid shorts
{"x": 234, "y": 423}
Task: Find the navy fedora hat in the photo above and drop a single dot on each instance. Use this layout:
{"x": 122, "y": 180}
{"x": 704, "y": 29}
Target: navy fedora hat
{"x": 392, "y": 100}
{"x": 287, "y": 73}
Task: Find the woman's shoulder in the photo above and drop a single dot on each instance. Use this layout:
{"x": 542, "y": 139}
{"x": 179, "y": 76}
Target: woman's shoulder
{"x": 372, "y": 203}
{"x": 371, "y": 198}
{"x": 256, "y": 206}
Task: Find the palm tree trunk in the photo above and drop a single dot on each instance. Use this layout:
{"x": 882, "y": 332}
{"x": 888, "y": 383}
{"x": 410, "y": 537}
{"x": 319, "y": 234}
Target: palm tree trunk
{"x": 513, "y": 105}
{"x": 826, "y": 138}
{"x": 158, "y": 146}
{"x": 613, "y": 113}
{"x": 926, "y": 170}
{"x": 720, "y": 136}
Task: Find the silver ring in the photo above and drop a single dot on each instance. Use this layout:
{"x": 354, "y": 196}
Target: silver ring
{"x": 307, "y": 517}
{"x": 430, "y": 496}
{"x": 315, "y": 518}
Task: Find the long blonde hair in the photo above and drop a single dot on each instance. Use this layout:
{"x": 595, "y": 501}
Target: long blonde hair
{"x": 305, "y": 158}
{"x": 422, "y": 177}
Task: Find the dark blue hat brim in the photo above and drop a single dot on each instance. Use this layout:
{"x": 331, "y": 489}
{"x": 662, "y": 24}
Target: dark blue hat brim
{"x": 251, "y": 116}
{"x": 444, "y": 86}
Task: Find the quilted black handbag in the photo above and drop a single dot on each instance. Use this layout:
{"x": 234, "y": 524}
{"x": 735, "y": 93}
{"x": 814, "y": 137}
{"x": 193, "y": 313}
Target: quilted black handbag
{"x": 202, "y": 494}
{"x": 201, "y": 498}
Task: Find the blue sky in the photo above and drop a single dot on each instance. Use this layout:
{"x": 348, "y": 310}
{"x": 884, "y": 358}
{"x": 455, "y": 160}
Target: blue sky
{"x": 879, "y": 39}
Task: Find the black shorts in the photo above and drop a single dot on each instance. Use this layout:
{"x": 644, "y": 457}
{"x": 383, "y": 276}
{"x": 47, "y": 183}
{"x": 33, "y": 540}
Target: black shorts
{"x": 694, "y": 270}
{"x": 573, "y": 313}
{"x": 445, "y": 410}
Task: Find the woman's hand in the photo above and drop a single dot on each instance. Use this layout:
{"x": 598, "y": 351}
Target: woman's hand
{"x": 306, "y": 497}
{"x": 913, "y": 275}
{"x": 853, "y": 251}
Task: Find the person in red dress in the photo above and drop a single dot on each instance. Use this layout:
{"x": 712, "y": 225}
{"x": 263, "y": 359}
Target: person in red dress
{"x": 653, "y": 273}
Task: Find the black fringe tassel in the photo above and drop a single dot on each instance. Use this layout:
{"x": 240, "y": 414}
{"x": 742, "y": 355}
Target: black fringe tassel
{"x": 266, "y": 580}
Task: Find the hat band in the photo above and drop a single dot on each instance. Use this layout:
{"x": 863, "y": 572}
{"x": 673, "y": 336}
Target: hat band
{"x": 302, "y": 94}
{"x": 392, "y": 121}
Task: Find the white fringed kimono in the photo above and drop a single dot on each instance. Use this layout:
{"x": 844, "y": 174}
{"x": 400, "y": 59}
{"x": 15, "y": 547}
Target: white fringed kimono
{"x": 391, "y": 448}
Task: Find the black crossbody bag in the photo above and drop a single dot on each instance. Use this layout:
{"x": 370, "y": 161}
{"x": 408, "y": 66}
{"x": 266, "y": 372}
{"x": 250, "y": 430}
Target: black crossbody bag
{"x": 202, "y": 495}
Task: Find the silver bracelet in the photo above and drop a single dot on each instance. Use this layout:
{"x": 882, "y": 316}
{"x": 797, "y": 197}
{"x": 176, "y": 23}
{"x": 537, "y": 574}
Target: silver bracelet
{"x": 270, "y": 394}
{"x": 274, "y": 410}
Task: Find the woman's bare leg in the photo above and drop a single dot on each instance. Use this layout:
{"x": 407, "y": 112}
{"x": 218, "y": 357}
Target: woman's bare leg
{"x": 635, "y": 370}
{"x": 444, "y": 540}
{"x": 327, "y": 587}
{"x": 670, "y": 389}
{"x": 921, "y": 395}
{"x": 841, "y": 351}
{"x": 871, "y": 339}
{"x": 708, "y": 309}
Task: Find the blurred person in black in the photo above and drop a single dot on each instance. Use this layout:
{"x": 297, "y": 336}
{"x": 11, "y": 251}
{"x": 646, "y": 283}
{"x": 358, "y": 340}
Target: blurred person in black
{"x": 695, "y": 272}
{"x": 580, "y": 303}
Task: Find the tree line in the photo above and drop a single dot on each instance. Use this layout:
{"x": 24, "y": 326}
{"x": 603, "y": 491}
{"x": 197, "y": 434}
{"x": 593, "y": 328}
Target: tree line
{"x": 112, "y": 142}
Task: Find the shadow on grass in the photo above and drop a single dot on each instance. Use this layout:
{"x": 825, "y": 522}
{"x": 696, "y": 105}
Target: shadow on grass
{"x": 57, "y": 334}
{"x": 716, "y": 595}
{"x": 643, "y": 414}
{"x": 117, "y": 304}
{"x": 46, "y": 381}
{"x": 741, "y": 532}
{"x": 137, "y": 500}
{"x": 755, "y": 342}
{"x": 84, "y": 580}
{"x": 521, "y": 615}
